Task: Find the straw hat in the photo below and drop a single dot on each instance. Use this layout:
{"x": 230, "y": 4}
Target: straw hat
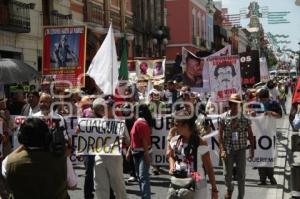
{"x": 235, "y": 98}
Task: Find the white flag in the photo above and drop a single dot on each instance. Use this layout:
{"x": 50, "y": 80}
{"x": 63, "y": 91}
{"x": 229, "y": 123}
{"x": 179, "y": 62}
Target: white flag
{"x": 264, "y": 73}
{"x": 104, "y": 67}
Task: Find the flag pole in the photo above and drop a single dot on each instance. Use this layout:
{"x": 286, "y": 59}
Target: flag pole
{"x": 112, "y": 61}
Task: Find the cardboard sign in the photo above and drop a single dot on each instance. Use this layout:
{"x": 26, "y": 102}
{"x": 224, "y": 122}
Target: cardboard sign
{"x": 224, "y": 77}
{"x": 99, "y": 136}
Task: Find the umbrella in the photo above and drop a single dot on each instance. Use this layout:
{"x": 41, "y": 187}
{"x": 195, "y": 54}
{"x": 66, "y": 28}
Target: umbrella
{"x": 16, "y": 71}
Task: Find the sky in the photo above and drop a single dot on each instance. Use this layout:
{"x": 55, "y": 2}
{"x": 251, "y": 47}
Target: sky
{"x": 292, "y": 29}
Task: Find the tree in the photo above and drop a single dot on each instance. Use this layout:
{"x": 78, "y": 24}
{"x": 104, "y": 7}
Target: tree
{"x": 271, "y": 58}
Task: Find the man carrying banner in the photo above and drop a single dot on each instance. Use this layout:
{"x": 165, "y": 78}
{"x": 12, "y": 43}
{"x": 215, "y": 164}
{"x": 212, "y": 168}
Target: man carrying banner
{"x": 272, "y": 110}
{"x": 109, "y": 168}
{"x": 234, "y": 129}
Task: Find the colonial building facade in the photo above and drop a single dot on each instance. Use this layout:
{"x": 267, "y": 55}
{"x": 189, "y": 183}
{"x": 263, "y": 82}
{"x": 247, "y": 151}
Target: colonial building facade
{"x": 191, "y": 25}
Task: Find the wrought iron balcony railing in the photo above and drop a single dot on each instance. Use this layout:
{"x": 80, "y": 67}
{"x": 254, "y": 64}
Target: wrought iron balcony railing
{"x": 15, "y": 16}
{"x": 95, "y": 13}
{"x": 58, "y": 19}
{"x": 116, "y": 19}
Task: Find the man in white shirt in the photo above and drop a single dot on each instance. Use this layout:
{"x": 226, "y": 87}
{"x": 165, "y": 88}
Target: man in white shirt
{"x": 32, "y": 105}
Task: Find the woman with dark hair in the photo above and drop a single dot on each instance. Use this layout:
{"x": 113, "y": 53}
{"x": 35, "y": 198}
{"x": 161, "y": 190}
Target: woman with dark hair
{"x": 184, "y": 151}
{"x": 140, "y": 146}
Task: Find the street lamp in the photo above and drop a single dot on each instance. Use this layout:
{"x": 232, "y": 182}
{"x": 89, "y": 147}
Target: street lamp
{"x": 160, "y": 37}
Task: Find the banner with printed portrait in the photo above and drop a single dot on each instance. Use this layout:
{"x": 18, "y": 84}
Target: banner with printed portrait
{"x": 224, "y": 77}
{"x": 64, "y": 54}
{"x": 250, "y": 70}
{"x": 99, "y": 136}
{"x": 195, "y": 73}
{"x": 150, "y": 69}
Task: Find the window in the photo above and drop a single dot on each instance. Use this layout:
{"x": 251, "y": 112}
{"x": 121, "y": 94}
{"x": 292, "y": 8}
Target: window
{"x": 193, "y": 23}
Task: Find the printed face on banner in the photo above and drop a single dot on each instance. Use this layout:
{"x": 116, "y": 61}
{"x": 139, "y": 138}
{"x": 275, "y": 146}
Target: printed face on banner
{"x": 150, "y": 69}
{"x": 131, "y": 66}
{"x": 225, "y": 77}
{"x": 195, "y": 73}
{"x": 64, "y": 55}
{"x": 158, "y": 69}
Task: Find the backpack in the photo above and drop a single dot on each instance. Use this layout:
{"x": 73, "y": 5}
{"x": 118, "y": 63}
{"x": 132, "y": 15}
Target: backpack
{"x": 58, "y": 141}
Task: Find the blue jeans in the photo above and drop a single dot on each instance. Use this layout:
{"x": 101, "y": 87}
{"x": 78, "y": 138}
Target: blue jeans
{"x": 89, "y": 162}
{"x": 142, "y": 173}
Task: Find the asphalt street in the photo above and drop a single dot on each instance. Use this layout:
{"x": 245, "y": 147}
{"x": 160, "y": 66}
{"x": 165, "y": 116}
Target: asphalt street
{"x": 160, "y": 183}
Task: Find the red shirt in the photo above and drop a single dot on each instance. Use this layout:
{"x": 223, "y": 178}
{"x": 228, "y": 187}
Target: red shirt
{"x": 140, "y": 130}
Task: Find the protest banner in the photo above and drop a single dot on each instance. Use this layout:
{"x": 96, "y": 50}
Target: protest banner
{"x": 150, "y": 69}
{"x": 1, "y": 134}
{"x": 159, "y": 140}
{"x": 223, "y": 52}
{"x": 18, "y": 120}
{"x": 250, "y": 70}
{"x": 99, "y": 136}
{"x": 264, "y": 137}
{"x": 264, "y": 131}
{"x": 224, "y": 77}
{"x": 64, "y": 54}
{"x": 71, "y": 125}
{"x": 264, "y": 73}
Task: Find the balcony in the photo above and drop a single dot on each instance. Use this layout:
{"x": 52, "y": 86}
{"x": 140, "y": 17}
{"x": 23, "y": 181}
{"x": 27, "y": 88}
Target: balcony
{"x": 58, "y": 19}
{"x": 129, "y": 24}
{"x": 95, "y": 14}
{"x": 15, "y": 16}
{"x": 116, "y": 19}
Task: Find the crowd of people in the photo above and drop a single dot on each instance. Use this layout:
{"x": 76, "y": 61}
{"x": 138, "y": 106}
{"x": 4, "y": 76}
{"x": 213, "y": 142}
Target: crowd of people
{"x": 139, "y": 106}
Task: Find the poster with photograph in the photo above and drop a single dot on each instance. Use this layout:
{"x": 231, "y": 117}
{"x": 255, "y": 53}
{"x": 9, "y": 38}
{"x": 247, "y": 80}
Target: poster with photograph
{"x": 131, "y": 65}
{"x": 224, "y": 76}
{"x": 150, "y": 69}
{"x": 64, "y": 53}
{"x": 195, "y": 71}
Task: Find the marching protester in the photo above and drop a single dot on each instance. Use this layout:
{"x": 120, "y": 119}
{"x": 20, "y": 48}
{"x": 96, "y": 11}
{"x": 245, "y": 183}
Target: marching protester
{"x": 273, "y": 89}
{"x": 4, "y": 140}
{"x": 108, "y": 169}
{"x": 32, "y": 171}
{"x": 272, "y": 110}
{"x": 184, "y": 163}
{"x": 233, "y": 132}
{"x": 140, "y": 147}
{"x": 89, "y": 160}
{"x": 282, "y": 95}
{"x": 32, "y": 105}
